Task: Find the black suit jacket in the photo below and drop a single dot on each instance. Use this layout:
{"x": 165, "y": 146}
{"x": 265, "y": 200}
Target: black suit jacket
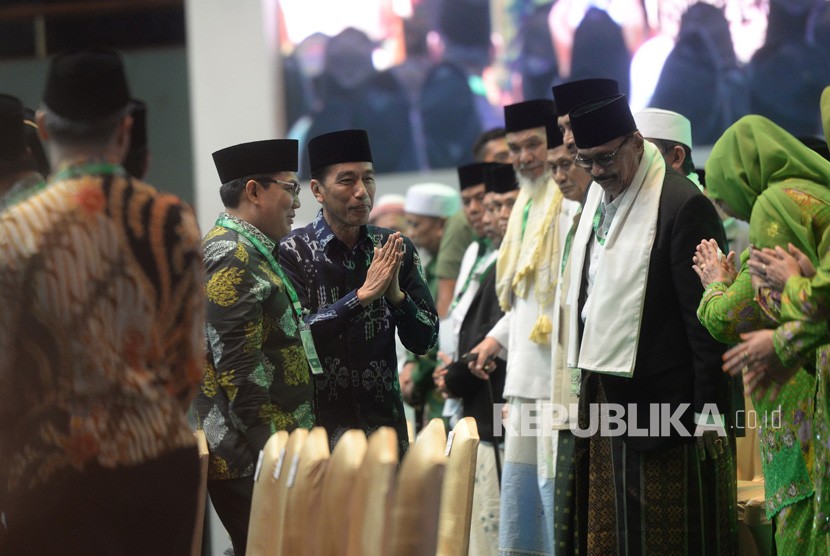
{"x": 483, "y": 314}
{"x": 678, "y": 362}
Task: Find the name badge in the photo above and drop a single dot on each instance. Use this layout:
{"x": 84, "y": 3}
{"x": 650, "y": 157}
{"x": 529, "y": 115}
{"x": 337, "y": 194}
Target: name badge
{"x": 310, "y": 350}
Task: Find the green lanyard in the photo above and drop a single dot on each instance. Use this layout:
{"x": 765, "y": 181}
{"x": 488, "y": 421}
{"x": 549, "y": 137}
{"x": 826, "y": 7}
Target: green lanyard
{"x": 479, "y": 258}
{"x": 305, "y": 331}
{"x": 99, "y": 168}
{"x": 272, "y": 262}
{"x": 25, "y": 193}
{"x": 525, "y": 215}
{"x": 597, "y": 218}
{"x": 569, "y": 238}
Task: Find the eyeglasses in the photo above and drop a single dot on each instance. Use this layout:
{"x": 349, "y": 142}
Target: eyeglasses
{"x": 603, "y": 160}
{"x": 295, "y": 187}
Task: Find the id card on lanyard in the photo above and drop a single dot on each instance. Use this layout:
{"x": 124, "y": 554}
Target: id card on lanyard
{"x": 310, "y": 350}
{"x": 305, "y": 330}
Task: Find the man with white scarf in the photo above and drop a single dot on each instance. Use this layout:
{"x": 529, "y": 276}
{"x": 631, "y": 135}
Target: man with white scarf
{"x": 526, "y": 276}
{"x": 665, "y": 482}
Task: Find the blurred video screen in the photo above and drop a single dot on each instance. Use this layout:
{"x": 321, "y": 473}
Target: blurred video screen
{"x": 426, "y": 77}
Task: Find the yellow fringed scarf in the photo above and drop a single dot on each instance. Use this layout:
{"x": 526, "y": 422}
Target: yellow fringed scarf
{"x": 532, "y": 258}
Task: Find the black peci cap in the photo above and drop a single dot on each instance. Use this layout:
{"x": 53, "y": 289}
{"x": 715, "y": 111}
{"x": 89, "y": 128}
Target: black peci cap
{"x": 471, "y": 175}
{"x": 554, "y": 134}
{"x": 600, "y": 122}
{"x": 528, "y": 114}
{"x": 86, "y": 85}
{"x": 500, "y": 178}
{"x": 257, "y": 157}
{"x": 350, "y": 145}
{"x": 582, "y": 91}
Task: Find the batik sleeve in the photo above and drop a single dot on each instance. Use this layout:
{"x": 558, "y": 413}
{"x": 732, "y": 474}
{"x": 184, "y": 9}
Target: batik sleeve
{"x": 236, "y": 285}
{"x": 729, "y": 311}
{"x": 416, "y": 317}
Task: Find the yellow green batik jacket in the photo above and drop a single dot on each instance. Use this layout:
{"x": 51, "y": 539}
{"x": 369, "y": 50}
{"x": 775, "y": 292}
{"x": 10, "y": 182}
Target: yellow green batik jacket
{"x": 257, "y": 379}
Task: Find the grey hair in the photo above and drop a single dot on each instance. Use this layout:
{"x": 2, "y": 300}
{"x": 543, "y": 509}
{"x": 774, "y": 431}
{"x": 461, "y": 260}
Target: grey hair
{"x": 73, "y": 133}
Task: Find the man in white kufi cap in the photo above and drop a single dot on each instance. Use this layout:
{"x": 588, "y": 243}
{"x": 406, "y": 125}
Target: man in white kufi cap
{"x": 388, "y": 212}
{"x": 671, "y": 133}
{"x": 427, "y": 207}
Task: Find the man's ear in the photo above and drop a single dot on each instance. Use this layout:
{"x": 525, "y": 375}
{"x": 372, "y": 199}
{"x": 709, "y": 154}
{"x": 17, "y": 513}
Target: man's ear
{"x": 316, "y": 188}
{"x": 124, "y": 135}
{"x": 639, "y": 143}
{"x": 124, "y": 129}
{"x": 443, "y": 226}
{"x": 678, "y": 155}
{"x": 41, "y": 129}
{"x": 252, "y": 191}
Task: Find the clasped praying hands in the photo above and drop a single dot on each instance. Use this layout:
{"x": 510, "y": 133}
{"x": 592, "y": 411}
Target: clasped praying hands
{"x": 773, "y": 267}
{"x": 382, "y": 274}
{"x": 711, "y": 265}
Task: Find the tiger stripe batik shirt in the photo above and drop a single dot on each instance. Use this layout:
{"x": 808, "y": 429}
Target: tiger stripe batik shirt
{"x": 101, "y": 325}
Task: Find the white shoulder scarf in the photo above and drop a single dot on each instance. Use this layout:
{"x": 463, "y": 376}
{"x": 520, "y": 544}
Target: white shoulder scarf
{"x": 614, "y": 309}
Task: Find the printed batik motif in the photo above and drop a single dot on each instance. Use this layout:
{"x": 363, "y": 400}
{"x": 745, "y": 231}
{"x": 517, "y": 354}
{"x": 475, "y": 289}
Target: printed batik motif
{"x": 257, "y": 374}
{"x": 73, "y": 256}
{"x": 356, "y": 344}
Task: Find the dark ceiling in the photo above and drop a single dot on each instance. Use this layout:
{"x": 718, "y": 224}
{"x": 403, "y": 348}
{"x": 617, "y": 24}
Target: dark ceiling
{"x": 43, "y": 27}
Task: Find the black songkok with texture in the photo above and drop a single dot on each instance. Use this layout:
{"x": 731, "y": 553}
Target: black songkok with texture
{"x": 582, "y": 91}
{"x": 350, "y": 145}
{"x": 255, "y": 158}
{"x": 86, "y": 85}
{"x": 529, "y": 114}
{"x": 600, "y": 122}
{"x": 500, "y": 178}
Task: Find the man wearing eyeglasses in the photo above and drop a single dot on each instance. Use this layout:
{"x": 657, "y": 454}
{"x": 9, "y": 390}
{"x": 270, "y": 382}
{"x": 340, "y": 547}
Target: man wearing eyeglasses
{"x": 257, "y": 379}
{"x": 635, "y": 335}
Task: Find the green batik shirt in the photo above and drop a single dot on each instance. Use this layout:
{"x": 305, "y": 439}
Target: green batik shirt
{"x": 257, "y": 379}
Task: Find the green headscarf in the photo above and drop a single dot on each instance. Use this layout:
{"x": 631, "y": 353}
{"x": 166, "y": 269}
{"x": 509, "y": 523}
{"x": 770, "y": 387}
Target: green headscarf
{"x": 751, "y": 165}
{"x": 825, "y": 114}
